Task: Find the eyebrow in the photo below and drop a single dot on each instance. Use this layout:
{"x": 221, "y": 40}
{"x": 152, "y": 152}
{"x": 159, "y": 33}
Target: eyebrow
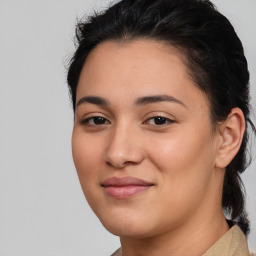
{"x": 93, "y": 100}
{"x": 157, "y": 98}
{"x": 139, "y": 102}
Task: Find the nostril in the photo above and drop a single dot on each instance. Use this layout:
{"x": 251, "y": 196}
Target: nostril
{"x": 120, "y": 164}
{"x": 109, "y": 164}
{"x": 115, "y": 164}
{"x": 123, "y": 151}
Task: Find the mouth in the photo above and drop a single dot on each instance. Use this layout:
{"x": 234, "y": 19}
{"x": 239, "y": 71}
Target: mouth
{"x": 125, "y": 187}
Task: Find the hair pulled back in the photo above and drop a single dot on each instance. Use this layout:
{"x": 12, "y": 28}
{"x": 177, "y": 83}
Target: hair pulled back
{"x": 214, "y": 56}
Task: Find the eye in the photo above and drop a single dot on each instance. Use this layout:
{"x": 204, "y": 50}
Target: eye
{"x": 158, "y": 120}
{"x": 95, "y": 120}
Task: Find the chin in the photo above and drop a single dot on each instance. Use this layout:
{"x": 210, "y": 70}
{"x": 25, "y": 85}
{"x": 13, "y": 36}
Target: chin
{"x": 128, "y": 231}
{"x": 128, "y": 225}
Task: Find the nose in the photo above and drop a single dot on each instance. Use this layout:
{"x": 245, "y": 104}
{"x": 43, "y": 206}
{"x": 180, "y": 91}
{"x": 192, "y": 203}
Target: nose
{"x": 124, "y": 148}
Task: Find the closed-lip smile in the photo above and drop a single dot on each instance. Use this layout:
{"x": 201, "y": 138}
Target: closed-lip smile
{"x": 125, "y": 187}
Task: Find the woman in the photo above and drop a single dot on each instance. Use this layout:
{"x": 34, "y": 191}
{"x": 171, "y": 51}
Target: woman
{"x": 161, "y": 101}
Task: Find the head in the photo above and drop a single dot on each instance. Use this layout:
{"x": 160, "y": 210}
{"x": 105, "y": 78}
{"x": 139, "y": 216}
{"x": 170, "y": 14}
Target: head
{"x": 197, "y": 49}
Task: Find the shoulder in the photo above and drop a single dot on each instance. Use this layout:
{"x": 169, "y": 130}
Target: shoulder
{"x": 233, "y": 243}
{"x": 117, "y": 252}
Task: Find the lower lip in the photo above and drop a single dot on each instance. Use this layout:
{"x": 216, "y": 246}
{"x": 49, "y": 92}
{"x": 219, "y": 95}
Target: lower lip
{"x": 125, "y": 191}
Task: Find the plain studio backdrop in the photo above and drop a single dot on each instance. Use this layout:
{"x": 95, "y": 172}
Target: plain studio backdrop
{"x": 43, "y": 211}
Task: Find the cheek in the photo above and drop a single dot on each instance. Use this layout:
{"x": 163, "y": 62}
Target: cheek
{"x": 185, "y": 160}
{"x": 176, "y": 153}
{"x": 184, "y": 164}
{"x": 86, "y": 155}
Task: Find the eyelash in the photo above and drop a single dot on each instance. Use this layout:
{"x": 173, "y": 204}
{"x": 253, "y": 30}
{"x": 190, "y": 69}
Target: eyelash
{"x": 159, "y": 117}
{"x": 87, "y": 120}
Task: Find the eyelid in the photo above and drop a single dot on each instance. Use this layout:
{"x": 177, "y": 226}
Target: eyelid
{"x": 84, "y": 120}
{"x": 87, "y": 117}
{"x": 93, "y": 114}
{"x": 160, "y": 114}
{"x": 169, "y": 121}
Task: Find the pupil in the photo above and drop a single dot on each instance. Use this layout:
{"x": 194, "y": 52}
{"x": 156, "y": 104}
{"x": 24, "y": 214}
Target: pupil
{"x": 160, "y": 120}
{"x": 99, "y": 120}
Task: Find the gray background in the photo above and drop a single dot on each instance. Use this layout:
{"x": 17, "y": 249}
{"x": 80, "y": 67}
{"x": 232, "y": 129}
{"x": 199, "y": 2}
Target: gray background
{"x": 42, "y": 209}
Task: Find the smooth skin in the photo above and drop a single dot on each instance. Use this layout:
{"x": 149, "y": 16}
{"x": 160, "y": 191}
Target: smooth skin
{"x": 170, "y": 143}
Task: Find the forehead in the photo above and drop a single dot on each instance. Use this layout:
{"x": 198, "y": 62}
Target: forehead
{"x": 122, "y": 70}
{"x": 135, "y": 56}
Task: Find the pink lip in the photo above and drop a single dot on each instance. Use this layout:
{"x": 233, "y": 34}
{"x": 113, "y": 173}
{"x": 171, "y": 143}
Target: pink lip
{"x": 125, "y": 187}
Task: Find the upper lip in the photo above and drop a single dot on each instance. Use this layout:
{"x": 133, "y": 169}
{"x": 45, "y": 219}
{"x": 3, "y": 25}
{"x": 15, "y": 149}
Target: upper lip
{"x": 125, "y": 181}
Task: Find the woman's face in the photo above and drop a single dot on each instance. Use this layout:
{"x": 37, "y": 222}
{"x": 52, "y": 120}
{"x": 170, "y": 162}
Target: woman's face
{"x": 142, "y": 142}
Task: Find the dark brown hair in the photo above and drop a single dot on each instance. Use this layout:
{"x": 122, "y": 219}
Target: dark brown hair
{"x": 214, "y": 54}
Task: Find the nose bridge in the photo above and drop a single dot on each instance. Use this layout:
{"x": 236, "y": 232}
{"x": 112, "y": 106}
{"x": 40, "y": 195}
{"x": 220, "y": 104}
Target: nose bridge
{"x": 124, "y": 145}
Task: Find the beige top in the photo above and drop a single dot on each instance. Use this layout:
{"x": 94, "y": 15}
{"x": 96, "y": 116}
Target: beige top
{"x": 233, "y": 243}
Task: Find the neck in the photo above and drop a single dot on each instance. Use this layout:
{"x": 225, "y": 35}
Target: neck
{"x": 201, "y": 232}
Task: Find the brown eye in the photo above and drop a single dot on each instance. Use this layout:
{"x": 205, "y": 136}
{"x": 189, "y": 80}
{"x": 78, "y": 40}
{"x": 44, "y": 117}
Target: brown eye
{"x": 159, "y": 120}
{"x": 95, "y": 120}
